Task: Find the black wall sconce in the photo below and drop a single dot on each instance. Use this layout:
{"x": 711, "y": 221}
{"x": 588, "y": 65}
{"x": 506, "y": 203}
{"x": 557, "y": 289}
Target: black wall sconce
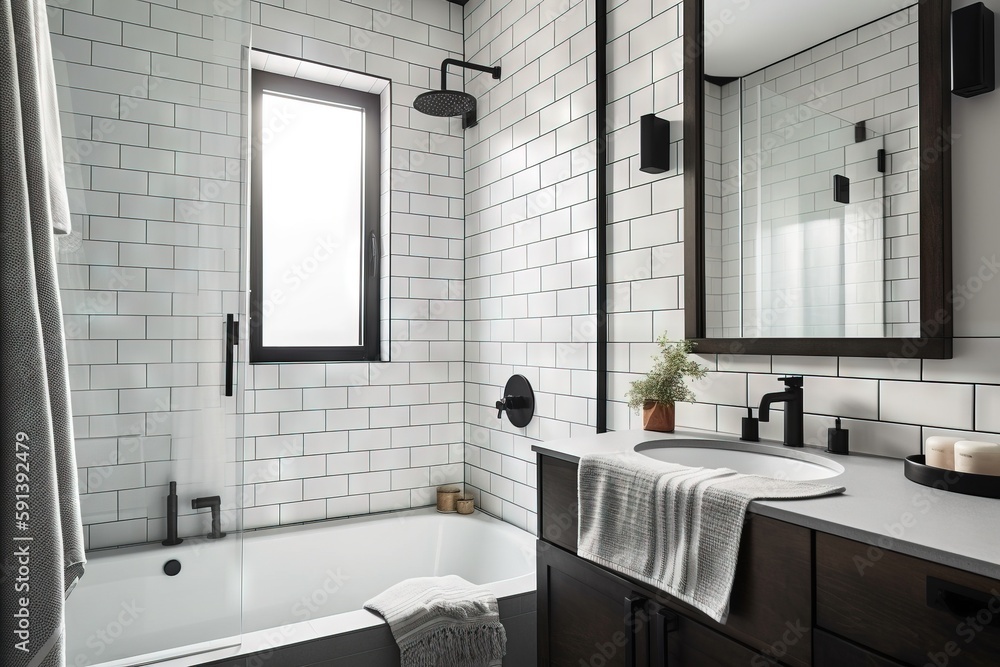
{"x": 654, "y": 144}
{"x": 841, "y": 189}
{"x": 973, "y": 68}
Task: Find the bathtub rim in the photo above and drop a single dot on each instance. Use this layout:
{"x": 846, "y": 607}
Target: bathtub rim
{"x": 269, "y": 532}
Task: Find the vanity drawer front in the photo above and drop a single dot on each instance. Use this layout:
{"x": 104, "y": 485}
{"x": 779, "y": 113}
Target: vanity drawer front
{"x": 692, "y": 644}
{"x": 558, "y": 518}
{"x": 906, "y": 608}
{"x": 832, "y": 651}
{"x": 770, "y": 607}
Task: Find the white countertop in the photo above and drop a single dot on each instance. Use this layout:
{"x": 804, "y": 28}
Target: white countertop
{"x": 881, "y": 507}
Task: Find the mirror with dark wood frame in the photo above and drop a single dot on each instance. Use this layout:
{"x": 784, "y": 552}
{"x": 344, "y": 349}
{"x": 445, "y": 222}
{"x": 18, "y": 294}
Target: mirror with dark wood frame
{"x": 747, "y": 108}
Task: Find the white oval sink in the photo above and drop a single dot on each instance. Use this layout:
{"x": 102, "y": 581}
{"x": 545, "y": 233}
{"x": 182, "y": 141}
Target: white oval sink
{"x": 745, "y": 457}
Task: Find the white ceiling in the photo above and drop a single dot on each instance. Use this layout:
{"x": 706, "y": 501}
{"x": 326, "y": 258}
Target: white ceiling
{"x": 758, "y": 33}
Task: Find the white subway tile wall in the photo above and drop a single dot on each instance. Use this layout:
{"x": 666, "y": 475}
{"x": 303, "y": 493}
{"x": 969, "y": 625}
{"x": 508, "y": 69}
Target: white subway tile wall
{"x": 646, "y": 262}
{"x": 491, "y": 249}
{"x": 152, "y": 112}
{"x": 152, "y": 123}
{"x": 341, "y": 439}
{"x": 890, "y": 405}
{"x": 530, "y": 239}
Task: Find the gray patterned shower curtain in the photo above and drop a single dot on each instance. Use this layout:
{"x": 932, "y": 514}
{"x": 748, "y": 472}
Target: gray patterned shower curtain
{"x": 41, "y": 537}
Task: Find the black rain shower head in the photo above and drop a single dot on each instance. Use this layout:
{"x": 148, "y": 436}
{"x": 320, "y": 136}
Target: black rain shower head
{"x": 448, "y": 103}
{"x": 444, "y": 103}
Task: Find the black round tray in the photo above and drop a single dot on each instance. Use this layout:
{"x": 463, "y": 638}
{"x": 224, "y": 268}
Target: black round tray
{"x": 987, "y": 486}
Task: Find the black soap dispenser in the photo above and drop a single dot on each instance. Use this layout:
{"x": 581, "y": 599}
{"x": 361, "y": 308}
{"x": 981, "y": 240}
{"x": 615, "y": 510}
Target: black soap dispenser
{"x": 751, "y": 427}
{"x": 838, "y": 439}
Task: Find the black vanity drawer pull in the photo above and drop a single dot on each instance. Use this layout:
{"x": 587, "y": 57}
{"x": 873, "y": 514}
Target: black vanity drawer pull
{"x": 634, "y": 604}
{"x": 664, "y": 623}
{"x": 964, "y": 602}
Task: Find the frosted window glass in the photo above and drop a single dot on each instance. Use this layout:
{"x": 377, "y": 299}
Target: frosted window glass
{"x": 313, "y": 212}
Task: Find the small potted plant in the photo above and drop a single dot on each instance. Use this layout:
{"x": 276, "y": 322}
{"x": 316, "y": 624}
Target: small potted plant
{"x": 665, "y": 384}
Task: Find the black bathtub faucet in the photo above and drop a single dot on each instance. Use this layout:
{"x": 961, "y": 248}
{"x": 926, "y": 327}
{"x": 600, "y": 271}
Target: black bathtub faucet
{"x": 172, "y": 538}
{"x": 215, "y": 503}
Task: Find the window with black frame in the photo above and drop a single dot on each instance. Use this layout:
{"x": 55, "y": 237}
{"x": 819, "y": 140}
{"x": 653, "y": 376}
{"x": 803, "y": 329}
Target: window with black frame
{"x": 314, "y": 221}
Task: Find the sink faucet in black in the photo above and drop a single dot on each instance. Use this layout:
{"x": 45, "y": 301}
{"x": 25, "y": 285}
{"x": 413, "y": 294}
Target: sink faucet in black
{"x": 214, "y": 502}
{"x": 792, "y": 398}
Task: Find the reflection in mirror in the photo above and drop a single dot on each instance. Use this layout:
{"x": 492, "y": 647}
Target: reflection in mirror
{"x": 811, "y": 222}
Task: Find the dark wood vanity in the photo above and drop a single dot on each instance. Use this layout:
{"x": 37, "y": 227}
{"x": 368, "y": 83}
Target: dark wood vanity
{"x": 800, "y": 598}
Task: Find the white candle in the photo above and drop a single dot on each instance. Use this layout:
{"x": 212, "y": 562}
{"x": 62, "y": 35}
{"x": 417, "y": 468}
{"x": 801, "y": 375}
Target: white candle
{"x": 981, "y": 458}
{"x": 940, "y": 451}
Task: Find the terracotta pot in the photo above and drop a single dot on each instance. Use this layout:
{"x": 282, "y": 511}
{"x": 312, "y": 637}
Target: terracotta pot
{"x": 658, "y": 416}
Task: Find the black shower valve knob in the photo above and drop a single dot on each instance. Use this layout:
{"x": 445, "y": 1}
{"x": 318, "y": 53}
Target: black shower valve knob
{"x": 518, "y": 401}
{"x": 509, "y": 403}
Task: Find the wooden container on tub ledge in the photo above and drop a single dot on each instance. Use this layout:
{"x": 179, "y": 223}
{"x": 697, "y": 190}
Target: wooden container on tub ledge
{"x": 664, "y": 385}
{"x": 447, "y": 498}
{"x": 465, "y": 505}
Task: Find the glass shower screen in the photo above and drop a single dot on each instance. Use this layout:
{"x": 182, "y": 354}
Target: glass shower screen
{"x": 154, "y": 122}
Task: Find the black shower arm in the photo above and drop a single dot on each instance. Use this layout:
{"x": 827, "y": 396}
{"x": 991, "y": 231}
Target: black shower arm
{"x": 495, "y": 71}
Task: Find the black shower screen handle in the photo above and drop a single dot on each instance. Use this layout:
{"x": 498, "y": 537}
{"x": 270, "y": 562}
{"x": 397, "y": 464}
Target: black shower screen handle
{"x": 232, "y": 340}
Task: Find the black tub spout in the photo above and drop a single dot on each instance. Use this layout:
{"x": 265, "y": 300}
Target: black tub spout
{"x": 215, "y": 503}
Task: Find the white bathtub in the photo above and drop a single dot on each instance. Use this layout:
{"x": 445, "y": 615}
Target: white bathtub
{"x": 299, "y": 583}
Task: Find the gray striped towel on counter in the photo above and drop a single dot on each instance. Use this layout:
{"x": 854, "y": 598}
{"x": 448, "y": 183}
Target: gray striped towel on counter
{"x": 671, "y": 526}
